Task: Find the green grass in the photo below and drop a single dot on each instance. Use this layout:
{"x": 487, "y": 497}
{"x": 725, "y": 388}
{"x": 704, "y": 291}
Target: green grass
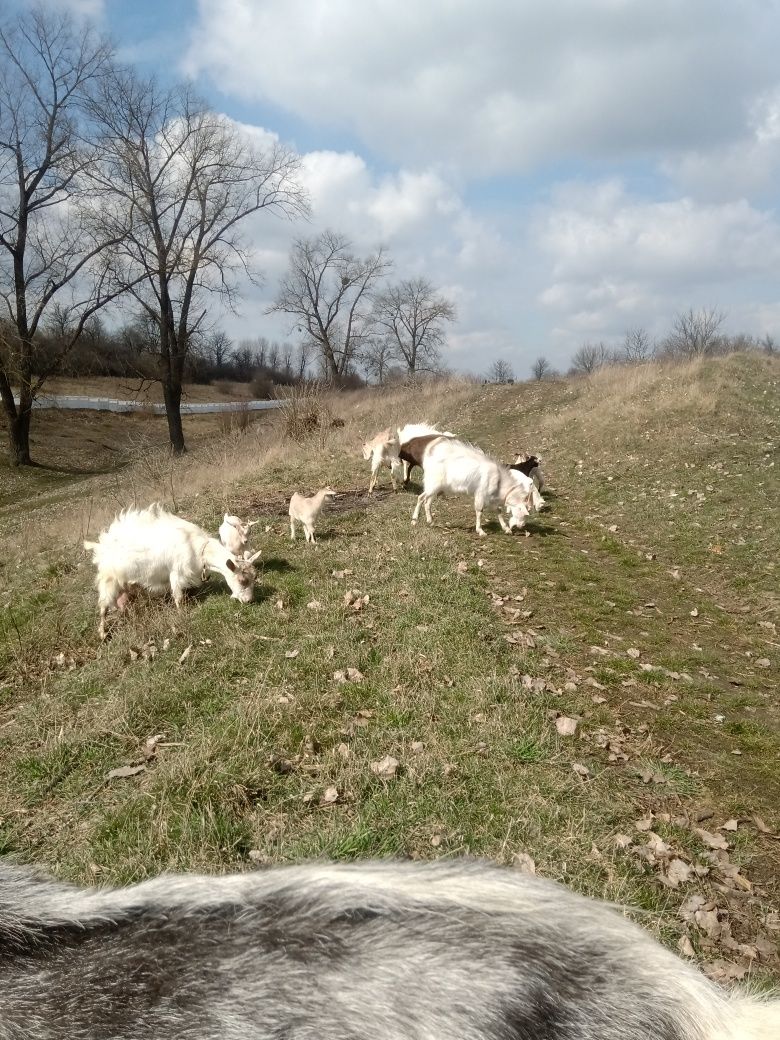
{"x": 253, "y": 739}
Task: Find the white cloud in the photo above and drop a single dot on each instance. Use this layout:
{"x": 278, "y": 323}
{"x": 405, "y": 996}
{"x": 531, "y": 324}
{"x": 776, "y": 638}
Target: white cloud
{"x": 617, "y": 261}
{"x": 504, "y": 85}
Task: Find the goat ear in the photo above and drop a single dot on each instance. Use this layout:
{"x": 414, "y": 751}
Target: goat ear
{"x": 230, "y": 565}
{"x": 224, "y": 518}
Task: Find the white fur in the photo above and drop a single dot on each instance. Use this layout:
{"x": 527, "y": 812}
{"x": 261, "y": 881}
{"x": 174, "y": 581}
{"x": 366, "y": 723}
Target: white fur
{"x": 451, "y": 465}
{"x": 234, "y": 533}
{"x": 382, "y": 449}
{"x": 306, "y": 510}
{"x": 157, "y": 551}
{"x": 412, "y": 430}
{"x": 534, "y": 500}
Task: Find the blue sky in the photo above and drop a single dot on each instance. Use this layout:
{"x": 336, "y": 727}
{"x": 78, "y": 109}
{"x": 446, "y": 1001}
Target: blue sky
{"x": 565, "y": 171}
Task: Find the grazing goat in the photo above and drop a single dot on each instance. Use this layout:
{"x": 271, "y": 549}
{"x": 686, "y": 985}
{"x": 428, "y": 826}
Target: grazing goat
{"x": 534, "y": 500}
{"x": 154, "y": 550}
{"x": 531, "y": 466}
{"x": 306, "y": 511}
{"x": 413, "y": 440}
{"x": 382, "y": 449}
{"x": 390, "y": 951}
{"x": 452, "y": 465}
{"x": 234, "y": 533}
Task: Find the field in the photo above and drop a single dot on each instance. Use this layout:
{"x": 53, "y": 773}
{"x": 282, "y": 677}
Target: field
{"x": 597, "y": 702}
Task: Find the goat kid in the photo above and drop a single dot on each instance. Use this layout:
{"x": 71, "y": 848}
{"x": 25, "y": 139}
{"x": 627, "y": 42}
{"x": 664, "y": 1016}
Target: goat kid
{"x": 234, "y": 533}
{"x": 155, "y": 550}
{"x": 391, "y": 951}
{"x": 306, "y": 511}
{"x": 382, "y": 449}
{"x": 451, "y": 465}
{"x": 413, "y": 440}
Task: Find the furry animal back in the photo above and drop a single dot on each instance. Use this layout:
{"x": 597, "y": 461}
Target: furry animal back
{"x": 389, "y": 951}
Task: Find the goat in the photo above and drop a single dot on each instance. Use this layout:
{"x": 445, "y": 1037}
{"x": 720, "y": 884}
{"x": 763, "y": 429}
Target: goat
{"x": 450, "y": 464}
{"x": 154, "y": 550}
{"x": 531, "y": 466}
{"x": 234, "y": 533}
{"x": 306, "y": 511}
{"x": 391, "y": 951}
{"x": 383, "y": 448}
{"x": 413, "y": 439}
{"x": 534, "y": 500}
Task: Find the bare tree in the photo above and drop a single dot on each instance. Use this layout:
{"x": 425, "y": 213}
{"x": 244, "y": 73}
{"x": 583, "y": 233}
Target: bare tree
{"x": 378, "y": 357}
{"x": 177, "y": 180}
{"x": 637, "y": 347}
{"x": 48, "y": 255}
{"x": 500, "y": 372}
{"x": 541, "y": 369}
{"x": 412, "y": 316}
{"x": 768, "y": 344}
{"x": 219, "y": 349}
{"x": 328, "y": 291}
{"x": 695, "y": 333}
{"x": 589, "y": 358}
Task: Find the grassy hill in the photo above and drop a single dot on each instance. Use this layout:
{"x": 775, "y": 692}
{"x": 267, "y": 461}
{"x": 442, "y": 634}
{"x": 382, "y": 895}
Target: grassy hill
{"x": 642, "y": 608}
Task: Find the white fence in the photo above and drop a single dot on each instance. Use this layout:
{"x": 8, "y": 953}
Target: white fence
{"x": 107, "y": 404}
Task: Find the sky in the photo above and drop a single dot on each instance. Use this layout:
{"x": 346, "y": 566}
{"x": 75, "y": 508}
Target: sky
{"x": 563, "y": 171}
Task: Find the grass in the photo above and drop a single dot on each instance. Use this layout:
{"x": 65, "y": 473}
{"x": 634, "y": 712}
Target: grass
{"x": 257, "y": 733}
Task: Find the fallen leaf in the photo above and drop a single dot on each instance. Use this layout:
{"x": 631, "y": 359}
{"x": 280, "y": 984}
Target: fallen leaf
{"x": 329, "y": 796}
{"x": 566, "y": 726}
{"x": 633, "y": 652}
{"x": 123, "y": 771}
{"x": 729, "y": 825}
{"x": 580, "y": 769}
{"x": 386, "y": 767}
{"x": 694, "y": 612}
{"x": 462, "y": 567}
{"x": 524, "y": 863}
{"x": 622, "y": 841}
{"x": 149, "y": 749}
{"x": 677, "y": 873}
{"x": 314, "y": 604}
{"x": 291, "y": 653}
{"x": 417, "y": 746}
{"x": 685, "y": 946}
{"x": 185, "y": 654}
{"x": 343, "y": 751}
{"x": 763, "y": 662}
{"x": 715, "y": 841}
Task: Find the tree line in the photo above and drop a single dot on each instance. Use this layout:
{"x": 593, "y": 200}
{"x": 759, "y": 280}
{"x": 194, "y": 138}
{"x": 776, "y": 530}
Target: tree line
{"x": 117, "y": 190}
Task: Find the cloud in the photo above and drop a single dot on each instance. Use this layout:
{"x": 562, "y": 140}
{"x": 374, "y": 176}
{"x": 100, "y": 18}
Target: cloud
{"x": 617, "y": 261}
{"x": 504, "y": 86}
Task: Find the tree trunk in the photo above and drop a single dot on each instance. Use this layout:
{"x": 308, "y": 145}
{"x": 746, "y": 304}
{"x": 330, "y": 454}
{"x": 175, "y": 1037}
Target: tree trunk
{"x": 19, "y": 439}
{"x": 172, "y": 398}
{"x": 17, "y": 419}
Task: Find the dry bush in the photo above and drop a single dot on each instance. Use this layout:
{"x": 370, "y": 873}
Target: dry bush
{"x": 305, "y": 410}
{"x": 237, "y": 420}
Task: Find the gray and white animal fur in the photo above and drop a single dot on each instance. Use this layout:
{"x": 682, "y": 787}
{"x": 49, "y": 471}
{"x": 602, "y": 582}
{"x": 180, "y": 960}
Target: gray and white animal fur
{"x": 387, "y": 951}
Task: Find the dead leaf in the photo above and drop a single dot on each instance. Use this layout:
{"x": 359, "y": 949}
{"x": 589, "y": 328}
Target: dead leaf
{"x": 185, "y": 654}
{"x": 462, "y": 567}
{"x": 715, "y": 841}
{"x": 291, "y": 653}
{"x": 314, "y": 604}
{"x": 386, "y": 767}
{"x": 694, "y": 612}
{"x": 633, "y": 652}
{"x": 763, "y": 662}
{"x": 729, "y": 825}
{"x": 524, "y": 863}
{"x": 329, "y": 796}
{"x": 343, "y": 751}
{"x": 566, "y": 726}
{"x": 580, "y": 769}
{"x": 149, "y": 749}
{"x": 417, "y": 746}
{"x": 677, "y": 873}
{"x": 622, "y": 841}
{"x": 685, "y": 946}
{"x": 123, "y": 771}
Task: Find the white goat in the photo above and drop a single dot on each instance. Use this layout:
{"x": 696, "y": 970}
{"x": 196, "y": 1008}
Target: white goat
{"x": 306, "y": 510}
{"x": 534, "y": 499}
{"x": 412, "y": 440}
{"x": 234, "y": 533}
{"x": 451, "y": 465}
{"x": 154, "y": 550}
{"x": 383, "y": 448}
